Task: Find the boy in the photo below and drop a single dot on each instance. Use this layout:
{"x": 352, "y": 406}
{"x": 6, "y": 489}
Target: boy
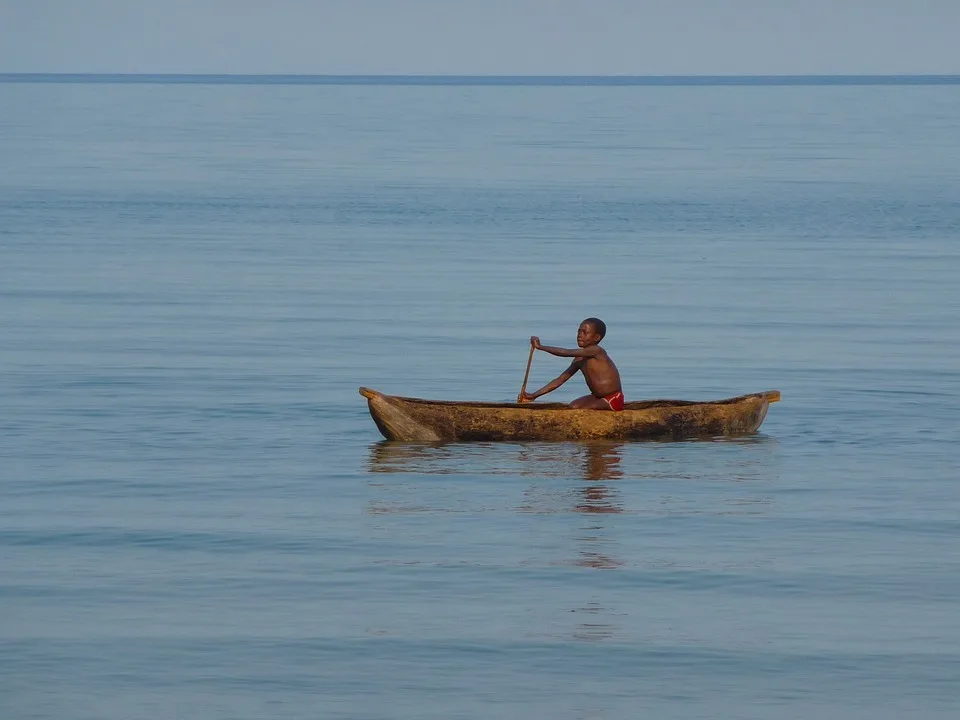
{"x": 598, "y": 369}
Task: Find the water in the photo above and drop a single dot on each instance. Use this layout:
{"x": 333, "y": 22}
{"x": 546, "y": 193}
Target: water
{"x": 197, "y": 515}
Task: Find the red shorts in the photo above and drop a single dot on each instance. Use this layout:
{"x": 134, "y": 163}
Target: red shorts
{"x": 615, "y": 401}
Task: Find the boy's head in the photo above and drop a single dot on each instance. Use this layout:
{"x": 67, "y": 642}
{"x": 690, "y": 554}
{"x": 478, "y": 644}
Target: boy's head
{"x": 591, "y": 331}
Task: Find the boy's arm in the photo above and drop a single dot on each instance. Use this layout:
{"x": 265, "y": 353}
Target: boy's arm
{"x": 555, "y": 383}
{"x": 590, "y": 351}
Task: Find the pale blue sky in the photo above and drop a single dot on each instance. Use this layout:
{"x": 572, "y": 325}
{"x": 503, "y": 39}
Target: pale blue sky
{"x": 551, "y": 37}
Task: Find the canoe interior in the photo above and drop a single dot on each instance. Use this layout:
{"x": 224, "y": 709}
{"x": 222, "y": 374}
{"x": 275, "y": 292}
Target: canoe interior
{"x": 770, "y": 395}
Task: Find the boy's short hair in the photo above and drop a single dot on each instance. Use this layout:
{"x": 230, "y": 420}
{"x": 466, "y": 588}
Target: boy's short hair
{"x": 599, "y": 326}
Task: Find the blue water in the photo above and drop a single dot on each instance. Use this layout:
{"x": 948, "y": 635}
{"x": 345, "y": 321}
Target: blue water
{"x": 198, "y": 518}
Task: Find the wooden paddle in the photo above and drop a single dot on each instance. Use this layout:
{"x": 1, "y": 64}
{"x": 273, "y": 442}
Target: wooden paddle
{"x": 523, "y": 388}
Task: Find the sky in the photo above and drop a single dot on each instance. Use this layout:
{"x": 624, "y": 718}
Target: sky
{"x": 481, "y": 37}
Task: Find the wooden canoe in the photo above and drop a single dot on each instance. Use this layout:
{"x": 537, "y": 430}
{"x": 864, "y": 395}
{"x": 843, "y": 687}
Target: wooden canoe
{"x": 417, "y": 420}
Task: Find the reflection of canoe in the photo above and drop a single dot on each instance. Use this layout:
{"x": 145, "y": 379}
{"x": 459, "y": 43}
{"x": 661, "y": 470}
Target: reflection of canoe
{"x": 416, "y": 420}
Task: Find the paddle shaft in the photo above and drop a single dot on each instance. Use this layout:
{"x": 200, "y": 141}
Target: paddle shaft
{"x": 523, "y": 388}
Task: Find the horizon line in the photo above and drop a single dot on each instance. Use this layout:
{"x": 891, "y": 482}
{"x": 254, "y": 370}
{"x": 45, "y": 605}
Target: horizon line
{"x": 481, "y": 79}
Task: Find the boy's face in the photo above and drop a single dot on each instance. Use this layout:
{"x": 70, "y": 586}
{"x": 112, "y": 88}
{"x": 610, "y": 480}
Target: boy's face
{"x": 586, "y": 335}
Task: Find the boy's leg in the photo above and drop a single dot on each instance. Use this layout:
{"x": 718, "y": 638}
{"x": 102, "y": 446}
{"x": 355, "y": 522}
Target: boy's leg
{"x": 589, "y": 402}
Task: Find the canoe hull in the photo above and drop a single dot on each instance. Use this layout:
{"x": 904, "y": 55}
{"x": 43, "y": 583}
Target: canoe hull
{"x": 417, "y": 420}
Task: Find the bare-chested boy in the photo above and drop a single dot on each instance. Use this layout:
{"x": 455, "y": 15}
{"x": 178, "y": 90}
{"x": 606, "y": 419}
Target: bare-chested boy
{"x": 598, "y": 369}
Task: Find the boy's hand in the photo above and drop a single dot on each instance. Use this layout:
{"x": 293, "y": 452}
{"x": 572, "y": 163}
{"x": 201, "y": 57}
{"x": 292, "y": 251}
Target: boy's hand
{"x": 535, "y": 342}
{"x": 525, "y": 397}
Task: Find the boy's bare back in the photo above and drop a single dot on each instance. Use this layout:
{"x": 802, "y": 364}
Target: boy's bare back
{"x": 600, "y": 373}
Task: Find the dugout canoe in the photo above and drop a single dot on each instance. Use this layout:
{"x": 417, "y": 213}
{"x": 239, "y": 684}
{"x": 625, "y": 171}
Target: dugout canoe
{"x": 417, "y": 420}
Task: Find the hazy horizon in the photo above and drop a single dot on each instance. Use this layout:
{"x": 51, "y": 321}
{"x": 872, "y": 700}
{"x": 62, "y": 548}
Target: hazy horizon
{"x": 949, "y": 77}
{"x": 608, "y": 38}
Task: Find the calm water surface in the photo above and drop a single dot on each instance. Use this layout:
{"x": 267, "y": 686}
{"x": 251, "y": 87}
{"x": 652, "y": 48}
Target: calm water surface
{"x": 198, "y": 518}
